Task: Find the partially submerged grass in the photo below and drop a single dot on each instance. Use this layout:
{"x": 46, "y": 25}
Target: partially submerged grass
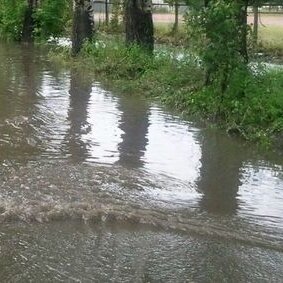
{"x": 252, "y": 105}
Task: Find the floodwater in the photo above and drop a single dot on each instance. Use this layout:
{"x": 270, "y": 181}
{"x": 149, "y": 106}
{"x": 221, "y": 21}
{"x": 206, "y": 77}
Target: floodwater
{"x": 102, "y": 187}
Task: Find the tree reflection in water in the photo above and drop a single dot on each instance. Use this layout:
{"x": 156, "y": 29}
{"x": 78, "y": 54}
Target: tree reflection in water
{"x": 134, "y": 123}
{"x": 80, "y": 90}
{"x": 220, "y": 173}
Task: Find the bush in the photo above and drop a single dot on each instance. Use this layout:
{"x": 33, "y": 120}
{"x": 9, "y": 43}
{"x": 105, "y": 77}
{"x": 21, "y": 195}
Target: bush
{"x": 52, "y": 18}
{"x": 11, "y": 18}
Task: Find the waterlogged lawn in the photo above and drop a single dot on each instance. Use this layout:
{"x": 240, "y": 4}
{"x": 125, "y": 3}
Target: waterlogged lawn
{"x": 252, "y": 105}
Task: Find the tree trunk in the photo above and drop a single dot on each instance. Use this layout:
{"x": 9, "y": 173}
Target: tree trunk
{"x": 255, "y": 29}
{"x": 106, "y": 13}
{"x": 28, "y": 24}
{"x": 83, "y": 24}
{"x": 176, "y": 22}
{"x": 243, "y": 29}
{"x": 139, "y": 24}
{"x": 207, "y": 80}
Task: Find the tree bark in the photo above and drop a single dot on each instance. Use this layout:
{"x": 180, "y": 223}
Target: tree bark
{"x": 243, "y": 28}
{"x": 176, "y": 22}
{"x": 106, "y": 13}
{"x": 255, "y": 29}
{"x": 139, "y": 24}
{"x": 83, "y": 24}
{"x": 29, "y": 23}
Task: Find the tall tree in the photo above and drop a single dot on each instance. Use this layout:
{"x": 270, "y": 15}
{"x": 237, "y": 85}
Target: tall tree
{"x": 176, "y": 5}
{"x": 255, "y": 28}
{"x": 176, "y": 12}
{"x": 219, "y": 31}
{"x": 139, "y": 24}
{"x": 29, "y": 22}
{"x": 83, "y": 24}
{"x": 106, "y": 12}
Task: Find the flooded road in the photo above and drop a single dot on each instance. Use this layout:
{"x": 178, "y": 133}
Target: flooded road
{"x": 102, "y": 187}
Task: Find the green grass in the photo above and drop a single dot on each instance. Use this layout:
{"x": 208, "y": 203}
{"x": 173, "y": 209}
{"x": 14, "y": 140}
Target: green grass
{"x": 164, "y": 34}
{"x": 271, "y": 39}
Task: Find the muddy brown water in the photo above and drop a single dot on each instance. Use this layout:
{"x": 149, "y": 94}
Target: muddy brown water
{"x": 102, "y": 187}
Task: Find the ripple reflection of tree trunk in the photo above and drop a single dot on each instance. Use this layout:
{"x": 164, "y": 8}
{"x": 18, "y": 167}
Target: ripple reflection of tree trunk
{"x": 80, "y": 89}
{"x": 21, "y": 80}
{"x": 134, "y": 123}
{"x": 220, "y": 174}
{"x": 30, "y": 72}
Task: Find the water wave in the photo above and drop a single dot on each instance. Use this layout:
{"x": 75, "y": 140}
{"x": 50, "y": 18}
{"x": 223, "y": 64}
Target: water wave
{"x": 98, "y": 194}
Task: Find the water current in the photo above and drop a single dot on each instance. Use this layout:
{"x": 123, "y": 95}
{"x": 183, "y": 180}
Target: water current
{"x": 98, "y": 186}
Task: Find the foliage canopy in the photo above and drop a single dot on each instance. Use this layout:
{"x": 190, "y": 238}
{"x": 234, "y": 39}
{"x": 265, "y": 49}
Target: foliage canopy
{"x": 50, "y": 18}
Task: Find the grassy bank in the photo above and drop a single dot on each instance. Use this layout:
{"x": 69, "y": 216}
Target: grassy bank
{"x": 252, "y": 105}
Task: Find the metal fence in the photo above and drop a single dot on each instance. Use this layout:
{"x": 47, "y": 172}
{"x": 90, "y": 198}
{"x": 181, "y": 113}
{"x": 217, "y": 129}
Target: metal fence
{"x": 164, "y": 14}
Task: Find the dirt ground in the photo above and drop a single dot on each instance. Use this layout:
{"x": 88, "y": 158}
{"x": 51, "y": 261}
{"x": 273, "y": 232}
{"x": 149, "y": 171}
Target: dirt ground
{"x": 268, "y": 20}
